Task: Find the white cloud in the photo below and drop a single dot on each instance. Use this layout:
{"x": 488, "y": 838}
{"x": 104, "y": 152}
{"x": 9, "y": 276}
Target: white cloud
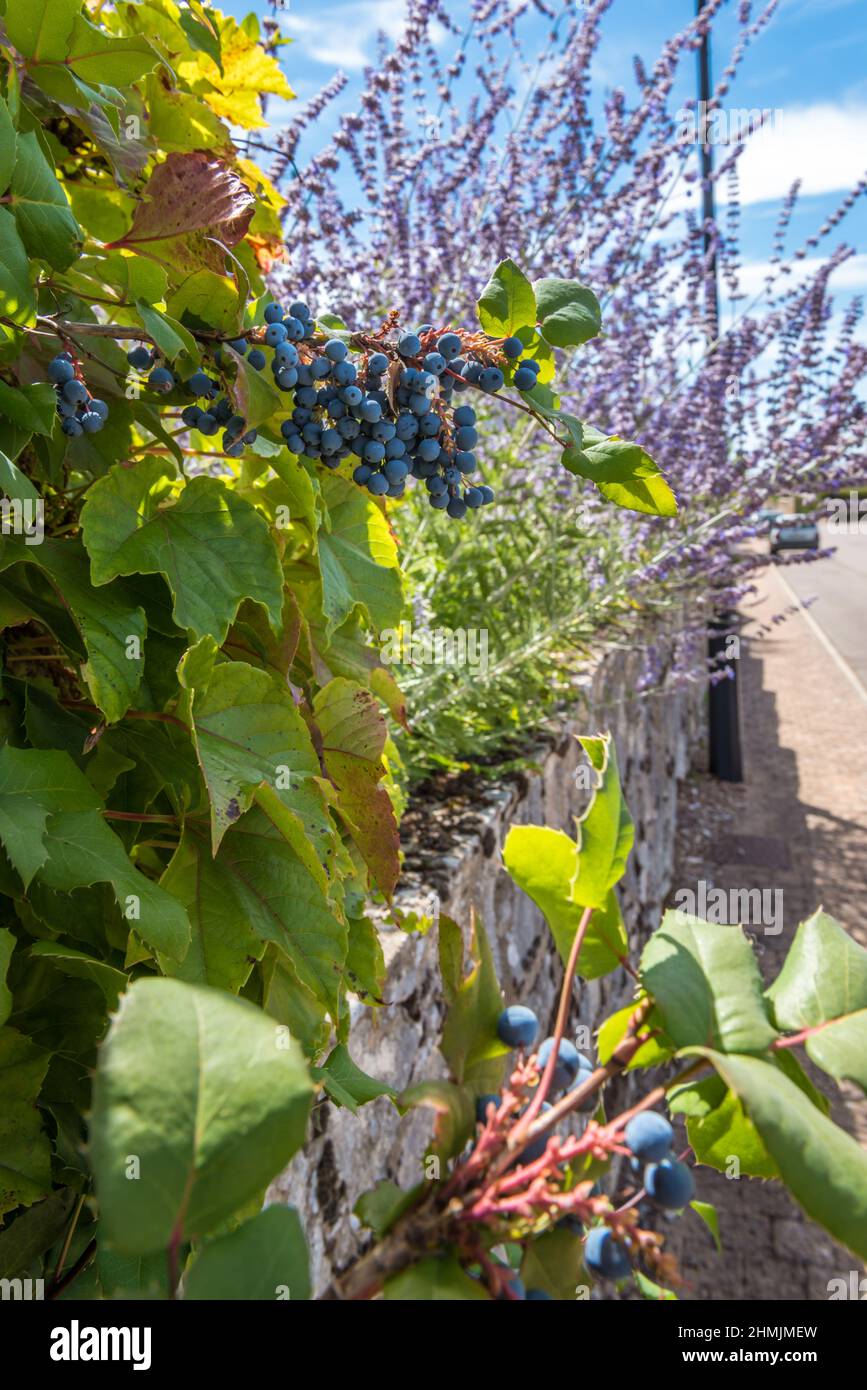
{"x": 823, "y": 145}
{"x": 344, "y": 38}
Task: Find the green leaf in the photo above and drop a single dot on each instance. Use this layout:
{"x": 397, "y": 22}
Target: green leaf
{"x": 131, "y": 1276}
{"x": 213, "y": 548}
{"x": 33, "y": 1232}
{"x": 94, "y": 56}
{"x": 51, "y": 825}
{"x": 434, "y": 1280}
{"x": 824, "y": 976}
{"x": 469, "y": 1043}
{"x": 25, "y": 1154}
{"x": 255, "y": 398}
{"x": 358, "y": 559}
{"x": 840, "y": 1048}
{"x": 223, "y": 948}
{"x": 17, "y": 297}
{"x": 605, "y": 830}
{"x": 648, "y": 1289}
{"x": 707, "y": 1212}
{"x": 34, "y": 408}
{"x": 202, "y": 36}
{"x": 207, "y": 1094}
{"x": 507, "y": 302}
{"x": 40, "y": 29}
{"x": 380, "y": 1208}
{"x": 73, "y": 962}
{"x": 111, "y": 625}
{"x": 823, "y": 1167}
{"x": 347, "y": 1084}
{"x": 625, "y": 474}
{"x": 8, "y": 145}
{"x": 545, "y": 864}
{"x": 726, "y": 1139}
{"x": 41, "y": 209}
{"x": 264, "y": 1259}
{"x": 707, "y": 985}
{"x": 455, "y": 1113}
{"x": 171, "y": 337}
{"x": 568, "y": 312}
{"x": 247, "y": 730}
{"x": 15, "y": 484}
{"x": 552, "y": 1262}
{"x": 278, "y": 888}
{"x": 613, "y": 1031}
{"x": 7, "y": 946}
{"x": 353, "y": 733}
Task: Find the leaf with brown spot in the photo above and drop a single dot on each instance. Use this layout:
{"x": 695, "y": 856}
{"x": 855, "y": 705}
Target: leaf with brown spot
{"x": 191, "y": 195}
{"x": 353, "y": 734}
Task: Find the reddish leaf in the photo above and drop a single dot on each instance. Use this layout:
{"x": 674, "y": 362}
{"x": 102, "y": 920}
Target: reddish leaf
{"x": 192, "y": 193}
{"x": 353, "y": 734}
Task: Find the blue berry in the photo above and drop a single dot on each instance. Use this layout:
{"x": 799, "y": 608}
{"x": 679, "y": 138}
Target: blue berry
{"x": 320, "y": 368}
{"x": 352, "y": 395}
{"x": 487, "y": 494}
{"x": 604, "y": 1256}
{"x": 649, "y": 1136}
{"x": 140, "y": 357}
{"x": 275, "y": 334}
{"x": 374, "y": 452}
{"x": 331, "y": 441}
{"x": 100, "y": 408}
{"x": 466, "y": 462}
{"x": 370, "y": 410}
{"x": 91, "y": 423}
{"x": 395, "y": 471}
{"x": 286, "y": 355}
{"x": 75, "y": 391}
{"x": 71, "y": 427}
{"x": 344, "y": 373}
{"x": 466, "y": 437}
{"x": 377, "y": 364}
{"x": 199, "y": 384}
{"x": 435, "y": 362}
{"x": 449, "y": 345}
{"x": 440, "y": 500}
{"x": 409, "y": 345}
{"x": 568, "y": 1060}
{"x": 465, "y": 415}
{"x": 298, "y": 310}
{"x": 513, "y": 347}
{"x": 473, "y": 497}
{"x": 429, "y": 450}
{"x": 362, "y": 473}
{"x": 287, "y": 378}
{"x": 208, "y": 424}
{"x": 273, "y": 313}
{"x": 436, "y": 486}
{"x": 336, "y": 350}
{"x": 585, "y": 1066}
{"x": 239, "y": 345}
{"x": 524, "y": 379}
{"x": 378, "y": 485}
{"x": 60, "y": 370}
{"x": 517, "y": 1026}
{"x": 491, "y": 379}
{"x": 669, "y": 1183}
{"x": 537, "y": 1146}
{"x": 257, "y": 359}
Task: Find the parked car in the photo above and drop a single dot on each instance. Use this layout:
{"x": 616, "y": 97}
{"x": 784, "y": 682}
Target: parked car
{"x": 793, "y": 533}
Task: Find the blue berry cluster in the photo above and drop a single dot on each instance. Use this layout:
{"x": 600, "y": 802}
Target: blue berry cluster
{"x": 80, "y": 413}
{"x": 526, "y": 370}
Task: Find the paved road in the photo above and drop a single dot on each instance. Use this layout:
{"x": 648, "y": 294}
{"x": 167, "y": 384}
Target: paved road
{"x": 840, "y": 588}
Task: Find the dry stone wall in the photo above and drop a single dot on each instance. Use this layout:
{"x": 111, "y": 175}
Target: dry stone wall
{"x": 658, "y": 738}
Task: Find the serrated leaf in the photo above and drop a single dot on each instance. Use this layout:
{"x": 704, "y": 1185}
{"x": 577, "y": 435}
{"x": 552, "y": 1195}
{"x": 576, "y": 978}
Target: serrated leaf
{"x": 33, "y": 408}
{"x": 15, "y": 484}
{"x": 171, "y": 337}
{"x": 92, "y": 55}
{"x": 706, "y": 984}
{"x": 824, "y": 976}
{"x": 33, "y": 1232}
{"x": 17, "y": 297}
{"x": 41, "y": 209}
{"x": 507, "y": 302}
{"x": 255, "y": 398}
{"x": 605, "y": 832}
{"x": 248, "y": 730}
{"x": 568, "y": 312}
{"x": 264, "y": 1259}
{"x": 823, "y": 1167}
{"x": 40, "y": 29}
{"x": 77, "y": 963}
{"x": 726, "y": 1139}
{"x": 223, "y": 948}
{"x": 25, "y": 1154}
{"x": 213, "y": 548}
{"x": 552, "y": 1263}
{"x": 209, "y": 1096}
{"x": 625, "y": 474}
{"x": 112, "y": 627}
{"x": 544, "y": 863}
{"x": 51, "y": 825}
{"x": 840, "y": 1048}
{"x": 613, "y": 1031}
{"x": 358, "y": 559}
{"x": 191, "y": 193}
{"x": 7, "y": 946}
{"x": 353, "y": 733}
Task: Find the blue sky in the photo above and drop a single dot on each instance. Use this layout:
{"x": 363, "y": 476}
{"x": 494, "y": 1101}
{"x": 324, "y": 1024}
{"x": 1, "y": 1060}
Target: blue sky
{"x": 809, "y": 68}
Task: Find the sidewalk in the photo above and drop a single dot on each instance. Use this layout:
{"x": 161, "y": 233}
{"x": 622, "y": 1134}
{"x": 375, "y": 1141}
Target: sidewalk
{"x": 797, "y": 823}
